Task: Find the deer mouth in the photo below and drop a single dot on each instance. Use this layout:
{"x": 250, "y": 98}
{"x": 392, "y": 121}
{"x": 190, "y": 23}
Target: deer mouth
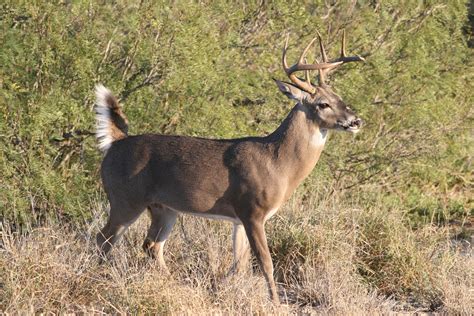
{"x": 350, "y": 126}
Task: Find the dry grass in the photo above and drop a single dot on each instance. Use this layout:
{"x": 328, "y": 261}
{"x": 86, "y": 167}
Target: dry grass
{"x": 330, "y": 258}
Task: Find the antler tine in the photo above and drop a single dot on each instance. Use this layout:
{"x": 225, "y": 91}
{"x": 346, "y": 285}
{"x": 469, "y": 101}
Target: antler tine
{"x": 322, "y": 78}
{"x": 307, "y": 74}
{"x": 343, "y": 44}
{"x": 321, "y": 46}
{"x": 344, "y": 58}
{"x": 283, "y": 57}
{"x": 305, "y": 51}
{"x": 322, "y": 72}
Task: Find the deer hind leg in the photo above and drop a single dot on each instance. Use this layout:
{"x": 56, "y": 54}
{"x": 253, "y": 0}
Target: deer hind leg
{"x": 241, "y": 250}
{"x": 258, "y": 242}
{"x": 162, "y": 222}
{"x": 119, "y": 219}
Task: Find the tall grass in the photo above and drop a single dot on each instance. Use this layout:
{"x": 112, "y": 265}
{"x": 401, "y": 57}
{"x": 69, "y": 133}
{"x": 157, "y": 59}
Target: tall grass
{"x": 330, "y": 258}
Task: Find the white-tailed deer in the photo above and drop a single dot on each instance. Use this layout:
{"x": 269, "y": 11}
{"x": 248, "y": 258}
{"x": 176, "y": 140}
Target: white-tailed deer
{"x": 243, "y": 180}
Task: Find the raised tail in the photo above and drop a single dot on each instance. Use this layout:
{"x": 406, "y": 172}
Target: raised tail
{"x": 111, "y": 123}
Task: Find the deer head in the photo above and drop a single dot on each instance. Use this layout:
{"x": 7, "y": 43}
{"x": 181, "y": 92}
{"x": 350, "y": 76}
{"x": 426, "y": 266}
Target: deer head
{"x": 323, "y": 105}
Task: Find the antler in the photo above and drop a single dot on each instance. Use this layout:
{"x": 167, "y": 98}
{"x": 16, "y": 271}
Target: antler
{"x": 323, "y": 68}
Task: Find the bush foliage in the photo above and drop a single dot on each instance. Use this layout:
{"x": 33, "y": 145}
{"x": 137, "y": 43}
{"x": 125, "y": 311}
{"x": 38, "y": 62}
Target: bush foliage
{"x": 206, "y": 69}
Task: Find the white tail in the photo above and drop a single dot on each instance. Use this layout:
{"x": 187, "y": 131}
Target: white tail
{"x": 111, "y": 123}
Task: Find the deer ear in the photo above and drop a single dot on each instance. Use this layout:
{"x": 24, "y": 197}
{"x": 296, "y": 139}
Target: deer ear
{"x": 291, "y": 91}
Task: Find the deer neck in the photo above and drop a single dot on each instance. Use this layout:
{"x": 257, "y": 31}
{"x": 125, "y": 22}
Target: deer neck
{"x": 298, "y": 143}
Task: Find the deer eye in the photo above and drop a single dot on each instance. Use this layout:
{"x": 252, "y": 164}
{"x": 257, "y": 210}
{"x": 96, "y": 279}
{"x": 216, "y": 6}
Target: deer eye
{"x": 324, "y": 105}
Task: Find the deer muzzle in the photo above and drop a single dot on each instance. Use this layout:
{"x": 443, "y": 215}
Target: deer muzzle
{"x": 352, "y": 125}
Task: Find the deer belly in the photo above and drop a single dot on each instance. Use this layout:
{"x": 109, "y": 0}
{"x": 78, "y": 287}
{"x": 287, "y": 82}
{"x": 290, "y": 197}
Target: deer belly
{"x": 196, "y": 201}
{"x": 216, "y": 217}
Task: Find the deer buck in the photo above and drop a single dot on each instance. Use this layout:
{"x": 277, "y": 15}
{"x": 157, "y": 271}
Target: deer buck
{"x": 244, "y": 180}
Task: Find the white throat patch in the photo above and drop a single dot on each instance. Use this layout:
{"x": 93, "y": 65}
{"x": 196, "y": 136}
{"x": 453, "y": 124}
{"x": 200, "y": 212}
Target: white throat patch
{"x": 319, "y": 137}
